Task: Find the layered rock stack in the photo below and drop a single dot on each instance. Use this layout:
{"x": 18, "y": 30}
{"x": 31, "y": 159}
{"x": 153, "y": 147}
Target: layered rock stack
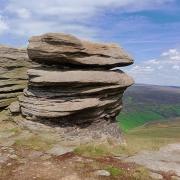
{"x": 74, "y": 84}
{"x": 13, "y": 77}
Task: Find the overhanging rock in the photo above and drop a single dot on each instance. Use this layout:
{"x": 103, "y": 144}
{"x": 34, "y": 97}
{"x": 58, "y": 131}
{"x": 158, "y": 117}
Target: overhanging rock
{"x": 74, "y": 84}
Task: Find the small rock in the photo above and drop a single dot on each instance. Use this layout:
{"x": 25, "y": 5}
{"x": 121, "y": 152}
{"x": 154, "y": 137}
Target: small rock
{"x": 4, "y": 148}
{"x": 155, "y": 175}
{"x": 58, "y": 150}
{"x": 35, "y": 154}
{"x": 102, "y": 173}
{"x": 121, "y": 157}
{"x": 22, "y": 161}
{"x": 46, "y": 157}
{"x": 11, "y": 150}
{"x": 13, "y": 156}
{"x": 14, "y": 107}
{"x": 3, "y": 159}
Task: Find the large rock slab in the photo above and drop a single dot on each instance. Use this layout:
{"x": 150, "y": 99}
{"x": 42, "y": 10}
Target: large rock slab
{"x": 166, "y": 159}
{"x": 13, "y": 57}
{"x": 86, "y": 109}
{"x": 67, "y": 50}
{"x": 13, "y": 73}
{"x": 67, "y": 92}
{"x": 78, "y": 77}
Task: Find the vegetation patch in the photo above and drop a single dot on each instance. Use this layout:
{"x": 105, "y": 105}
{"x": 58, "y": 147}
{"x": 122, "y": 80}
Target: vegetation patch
{"x": 141, "y": 173}
{"x": 93, "y": 150}
{"x": 35, "y": 143}
{"x": 15, "y": 130}
{"x": 102, "y": 150}
{"x": 114, "y": 171}
{"x": 152, "y": 136}
{"x": 149, "y": 137}
{"x": 4, "y": 116}
{"x": 148, "y": 103}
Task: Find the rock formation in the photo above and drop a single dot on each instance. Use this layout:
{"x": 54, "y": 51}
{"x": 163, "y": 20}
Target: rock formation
{"x": 13, "y": 79}
{"x": 74, "y": 84}
{"x": 66, "y": 50}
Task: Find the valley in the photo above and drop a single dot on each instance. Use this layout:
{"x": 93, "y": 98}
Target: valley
{"x": 149, "y": 103}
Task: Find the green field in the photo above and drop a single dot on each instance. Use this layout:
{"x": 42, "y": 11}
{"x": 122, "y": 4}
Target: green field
{"x": 144, "y": 104}
{"x": 138, "y": 117}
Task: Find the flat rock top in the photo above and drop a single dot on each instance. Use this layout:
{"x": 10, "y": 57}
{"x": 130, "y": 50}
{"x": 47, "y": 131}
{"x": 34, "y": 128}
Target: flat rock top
{"x": 63, "y": 49}
{"x": 44, "y": 77}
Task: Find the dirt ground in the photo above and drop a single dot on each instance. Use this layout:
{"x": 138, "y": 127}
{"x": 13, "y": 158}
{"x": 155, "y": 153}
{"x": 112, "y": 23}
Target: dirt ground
{"x": 38, "y": 152}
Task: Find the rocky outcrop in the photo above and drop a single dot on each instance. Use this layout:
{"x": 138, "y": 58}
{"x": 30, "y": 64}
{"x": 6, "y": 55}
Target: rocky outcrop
{"x": 74, "y": 84}
{"x": 67, "y": 50}
{"x": 13, "y": 78}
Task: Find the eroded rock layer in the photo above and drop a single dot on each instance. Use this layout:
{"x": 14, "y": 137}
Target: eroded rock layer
{"x": 67, "y": 50}
{"x": 13, "y": 78}
{"x": 74, "y": 84}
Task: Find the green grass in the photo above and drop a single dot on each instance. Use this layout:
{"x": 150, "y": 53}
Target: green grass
{"x": 134, "y": 119}
{"x": 114, "y": 171}
{"x": 93, "y": 150}
{"x": 138, "y": 116}
{"x": 166, "y": 129}
{"x": 144, "y": 104}
{"x": 152, "y": 136}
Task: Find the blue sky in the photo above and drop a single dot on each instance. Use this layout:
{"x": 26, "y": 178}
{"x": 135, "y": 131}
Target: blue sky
{"x": 148, "y": 29}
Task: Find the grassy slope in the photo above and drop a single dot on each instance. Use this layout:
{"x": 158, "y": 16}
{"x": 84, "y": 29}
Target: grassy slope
{"x": 148, "y": 137}
{"x": 143, "y": 104}
{"x": 153, "y": 135}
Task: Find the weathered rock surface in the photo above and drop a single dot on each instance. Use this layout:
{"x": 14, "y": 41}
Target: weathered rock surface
{"x": 166, "y": 159}
{"x": 102, "y": 172}
{"x": 76, "y": 92}
{"x": 14, "y": 107}
{"x": 78, "y": 78}
{"x": 67, "y": 50}
{"x": 77, "y": 110}
{"x": 13, "y": 77}
{"x": 74, "y": 85}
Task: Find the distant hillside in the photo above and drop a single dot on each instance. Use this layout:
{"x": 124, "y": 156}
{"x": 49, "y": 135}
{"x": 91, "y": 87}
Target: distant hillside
{"x": 146, "y": 103}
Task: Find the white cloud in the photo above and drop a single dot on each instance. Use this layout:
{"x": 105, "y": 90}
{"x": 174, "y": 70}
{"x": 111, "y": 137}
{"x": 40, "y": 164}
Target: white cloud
{"x": 3, "y": 25}
{"x": 81, "y": 7}
{"x": 72, "y": 16}
{"x": 164, "y": 70}
{"x": 35, "y": 27}
{"x": 23, "y": 13}
{"x": 176, "y": 67}
{"x": 27, "y": 18}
